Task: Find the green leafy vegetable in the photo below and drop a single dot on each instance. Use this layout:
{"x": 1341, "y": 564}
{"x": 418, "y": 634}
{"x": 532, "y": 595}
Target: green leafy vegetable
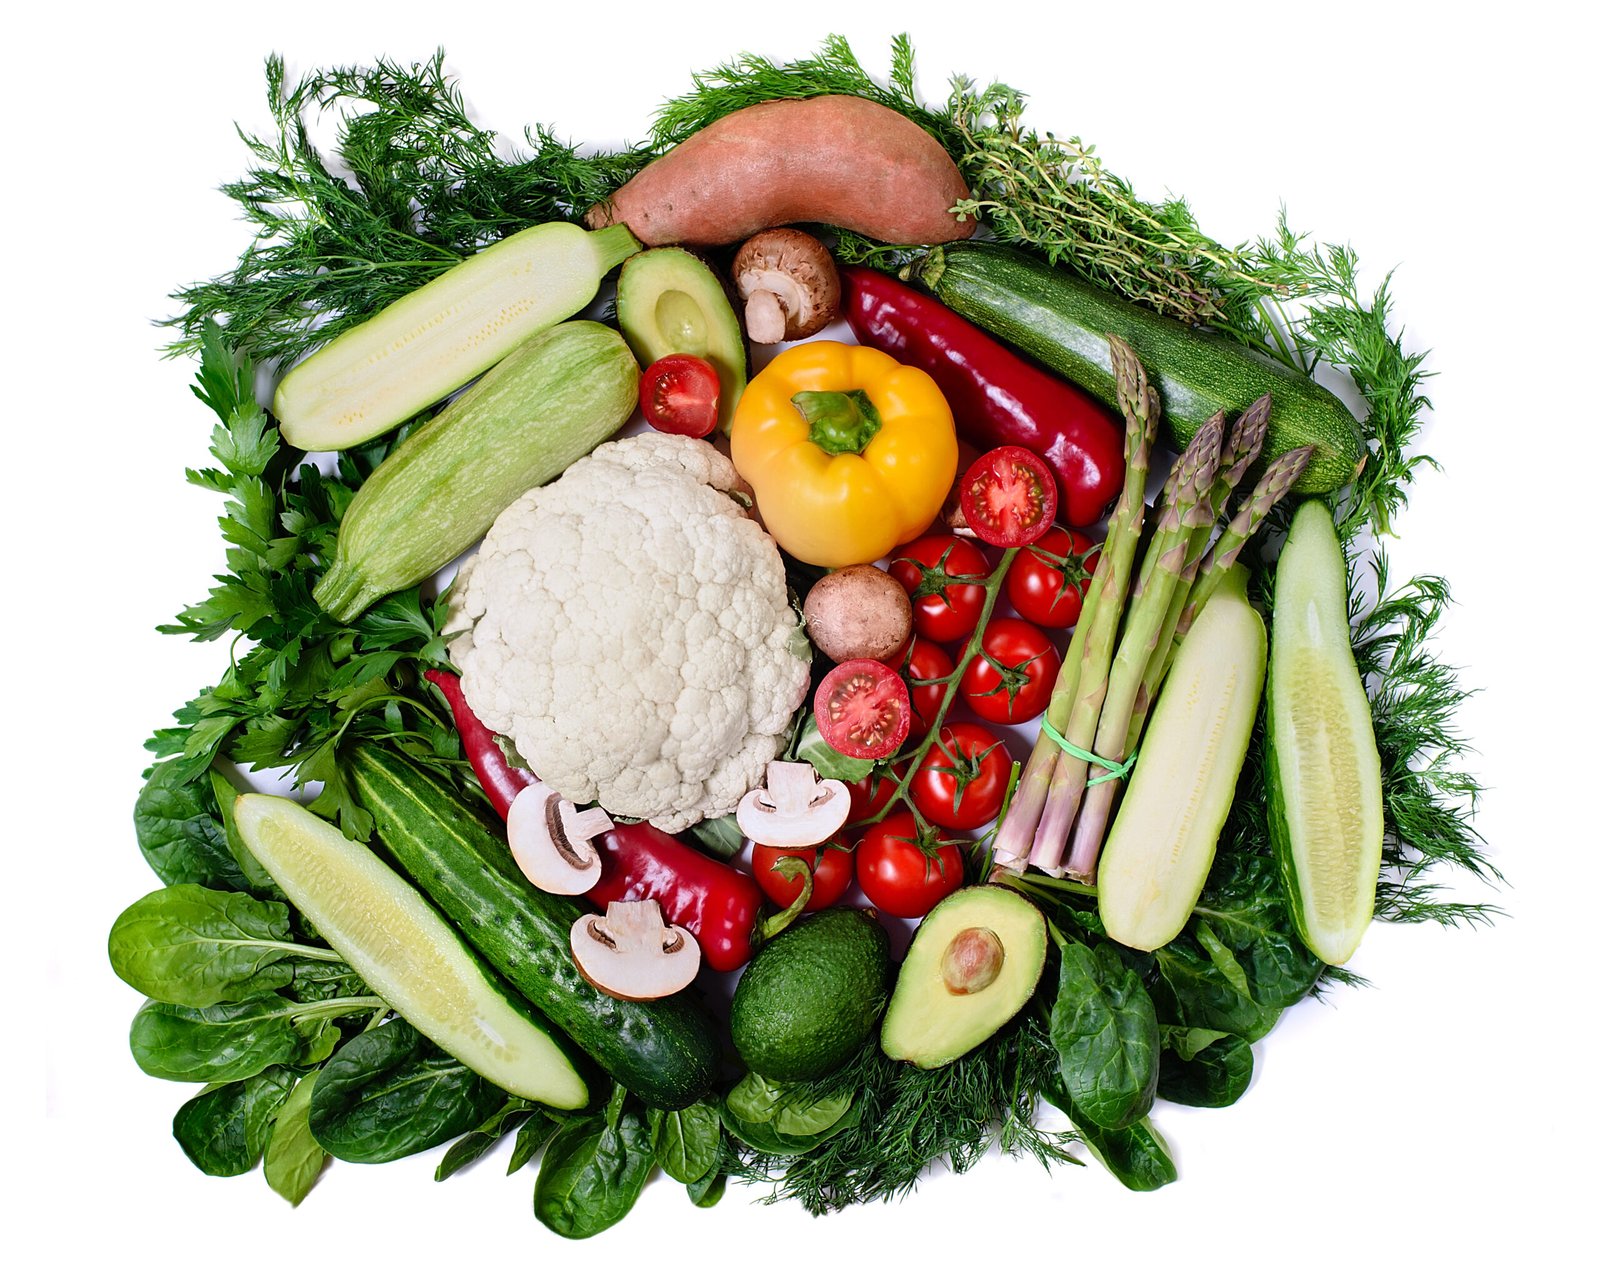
{"x": 226, "y": 1042}
{"x": 294, "y": 1161}
{"x": 592, "y": 1172}
{"x": 471, "y": 1147}
{"x": 1135, "y": 1155}
{"x": 1215, "y": 1074}
{"x": 225, "y": 1129}
{"x": 179, "y": 834}
{"x": 687, "y": 1142}
{"x": 536, "y": 1130}
{"x": 1103, "y": 1025}
{"x": 783, "y": 1120}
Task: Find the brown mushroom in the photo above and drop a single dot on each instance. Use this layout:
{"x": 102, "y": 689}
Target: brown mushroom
{"x": 796, "y": 809}
{"x": 858, "y": 612}
{"x": 632, "y": 953}
{"x": 551, "y": 839}
{"x": 789, "y": 285}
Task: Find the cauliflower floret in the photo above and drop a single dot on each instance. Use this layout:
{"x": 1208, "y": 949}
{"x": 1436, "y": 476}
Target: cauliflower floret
{"x": 628, "y": 627}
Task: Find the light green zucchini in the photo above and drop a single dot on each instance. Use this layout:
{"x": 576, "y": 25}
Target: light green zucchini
{"x": 1161, "y": 847}
{"x": 436, "y": 339}
{"x": 526, "y": 421}
{"x": 407, "y": 953}
{"x": 1324, "y": 780}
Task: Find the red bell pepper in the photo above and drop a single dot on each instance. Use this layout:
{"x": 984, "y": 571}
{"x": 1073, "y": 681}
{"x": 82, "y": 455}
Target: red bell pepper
{"x": 720, "y": 905}
{"x": 997, "y": 397}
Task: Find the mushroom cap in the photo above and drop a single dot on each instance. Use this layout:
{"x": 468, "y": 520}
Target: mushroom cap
{"x": 631, "y": 953}
{"x": 789, "y": 273}
{"x": 858, "y": 612}
{"x": 796, "y": 809}
{"x": 550, "y": 840}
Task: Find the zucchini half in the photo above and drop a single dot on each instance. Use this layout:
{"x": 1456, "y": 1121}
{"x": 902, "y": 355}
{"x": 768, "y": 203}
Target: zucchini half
{"x": 407, "y": 953}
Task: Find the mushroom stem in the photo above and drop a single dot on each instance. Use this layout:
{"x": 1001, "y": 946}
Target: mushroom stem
{"x": 764, "y": 317}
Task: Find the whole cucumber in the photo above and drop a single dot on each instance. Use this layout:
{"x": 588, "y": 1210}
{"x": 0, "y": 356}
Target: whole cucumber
{"x": 1063, "y": 322}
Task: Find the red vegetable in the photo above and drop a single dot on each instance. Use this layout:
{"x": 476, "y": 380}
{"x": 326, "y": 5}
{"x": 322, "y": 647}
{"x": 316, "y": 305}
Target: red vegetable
{"x": 941, "y": 610}
{"x": 904, "y": 871}
{"x": 832, "y": 870}
{"x": 925, "y": 660}
{"x": 678, "y": 394}
{"x": 863, "y": 709}
{"x": 998, "y": 398}
{"x": 500, "y": 780}
{"x": 1011, "y": 679}
{"x": 1045, "y": 583}
{"x": 1008, "y": 497}
{"x": 962, "y": 780}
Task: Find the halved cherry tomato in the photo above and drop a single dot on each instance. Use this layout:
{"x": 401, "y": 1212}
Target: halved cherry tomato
{"x": 831, "y": 873}
{"x": 1046, "y": 582}
{"x": 925, "y": 661}
{"x": 941, "y": 609}
{"x": 962, "y": 780}
{"x": 1013, "y": 676}
{"x": 678, "y": 394}
{"x": 1009, "y": 497}
{"x": 904, "y": 871}
{"x": 863, "y": 709}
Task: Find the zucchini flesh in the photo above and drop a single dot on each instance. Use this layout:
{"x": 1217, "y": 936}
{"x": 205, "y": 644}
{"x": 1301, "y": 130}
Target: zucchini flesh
{"x": 526, "y": 421}
{"x": 1324, "y": 779}
{"x": 665, "y": 1051}
{"x": 1062, "y": 322}
{"x": 1163, "y": 842}
{"x": 436, "y": 339}
{"x": 406, "y": 952}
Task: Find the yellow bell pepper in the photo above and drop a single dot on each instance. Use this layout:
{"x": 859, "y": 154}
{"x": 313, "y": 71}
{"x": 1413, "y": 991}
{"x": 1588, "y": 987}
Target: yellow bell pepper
{"x": 850, "y": 453}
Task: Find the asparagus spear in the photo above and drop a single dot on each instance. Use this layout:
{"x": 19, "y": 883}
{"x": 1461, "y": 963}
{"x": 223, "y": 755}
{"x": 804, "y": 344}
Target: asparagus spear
{"x": 1186, "y": 515}
{"x": 1091, "y": 664}
{"x": 1140, "y": 406}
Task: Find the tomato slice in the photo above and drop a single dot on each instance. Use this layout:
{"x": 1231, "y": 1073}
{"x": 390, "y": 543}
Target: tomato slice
{"x": 1009, "y": 497}
{"x": 863, "y": 709}
{"x": 678, "y": 394}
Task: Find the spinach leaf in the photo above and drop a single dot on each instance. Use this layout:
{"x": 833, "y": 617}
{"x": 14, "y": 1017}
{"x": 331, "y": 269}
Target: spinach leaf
{"x": 294, "y": 1160}
{"x": 1194, "y": 991}
{"x": 176, "y": 824}
{"x": 224, "y": 1130}
{"x": 1108, "y": 1041}
{"x": 1215, "y": 1075}
{"x": 776, "y": 1119}
{"x": 190, "y": 945}
{"x": 705, "y": 1192}
{"x": 592, "y": 1174}
{"x": 388, "y": 1093}
{"x": 686, "y": 1141}
{"x": 535, "y": 1132}
{"x": 1136, "y": 1155}
{"x": 719, "y": 837}
{"x": 217, "y": 1044}
{"x": 225, "y": 793}
{"x": 473, "y": 1146}
{"x": 1247, "y": 913}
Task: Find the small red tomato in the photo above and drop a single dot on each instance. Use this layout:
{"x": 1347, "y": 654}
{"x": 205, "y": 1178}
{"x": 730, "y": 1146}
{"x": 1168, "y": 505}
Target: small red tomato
{"x": 831, "y": 873}
{"x": 943, "y": 576}
{"x": 1046, "y": 582}
{"x": 925, "y": 661}
{"x": 868, "y": 797}
{"x": 1014, "y": 673}
{"x": 679, "y": 395}
{"x": 1008, "y": 497}
{"x": 904, "y": 871}
{"x": 863, "y": 709}
{"x": 962, "y": 780}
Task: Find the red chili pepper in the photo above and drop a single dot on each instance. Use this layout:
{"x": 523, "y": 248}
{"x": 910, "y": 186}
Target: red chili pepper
{"x": 720, "y": 905}
{"x": 998, "y": 398}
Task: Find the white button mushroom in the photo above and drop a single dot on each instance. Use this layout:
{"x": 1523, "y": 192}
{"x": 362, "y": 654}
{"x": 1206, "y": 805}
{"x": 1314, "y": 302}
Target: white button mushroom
{"x": 632, "y": 953}
{"x": 551, "y": 839}
{"x": 796, "y": 809}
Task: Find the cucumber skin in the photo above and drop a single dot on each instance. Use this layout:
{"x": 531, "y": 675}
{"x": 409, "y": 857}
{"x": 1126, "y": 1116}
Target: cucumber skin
{"x": 539, "y": 410}
{"x": 1062, "y": 322}
{"x": 665, "y": 1051}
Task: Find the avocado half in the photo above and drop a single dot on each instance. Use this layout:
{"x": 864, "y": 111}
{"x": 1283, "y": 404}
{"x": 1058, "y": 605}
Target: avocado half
{"x": 669, "y": 302}
{"x": 972, "y": 965}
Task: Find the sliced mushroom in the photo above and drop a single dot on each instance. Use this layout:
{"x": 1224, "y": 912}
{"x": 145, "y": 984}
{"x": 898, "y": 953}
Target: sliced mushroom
{"x": 552, "y": 840}
{"x": 632, "y": 953}
{"x": 789, "y": 285}
{"x": 796, "y": 809}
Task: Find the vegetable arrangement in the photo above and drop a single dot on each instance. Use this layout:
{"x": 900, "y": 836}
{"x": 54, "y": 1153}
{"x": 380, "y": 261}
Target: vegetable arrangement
{"x": 781, "y": 616}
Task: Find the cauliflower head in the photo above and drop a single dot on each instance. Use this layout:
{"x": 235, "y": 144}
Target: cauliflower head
{"x": 628, "y": 627}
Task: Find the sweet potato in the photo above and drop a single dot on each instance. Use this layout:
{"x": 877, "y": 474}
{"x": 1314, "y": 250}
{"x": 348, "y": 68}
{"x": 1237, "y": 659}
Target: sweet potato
{"x": 839, "y": 160}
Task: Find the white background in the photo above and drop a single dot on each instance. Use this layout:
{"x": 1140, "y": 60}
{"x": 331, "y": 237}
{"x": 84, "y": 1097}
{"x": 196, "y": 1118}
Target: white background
{"x": 1439, "y": 1121}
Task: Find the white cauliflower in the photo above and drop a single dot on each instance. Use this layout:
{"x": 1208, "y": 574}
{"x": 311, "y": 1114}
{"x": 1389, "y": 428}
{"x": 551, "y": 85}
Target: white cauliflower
{"x": 628, "y": 627}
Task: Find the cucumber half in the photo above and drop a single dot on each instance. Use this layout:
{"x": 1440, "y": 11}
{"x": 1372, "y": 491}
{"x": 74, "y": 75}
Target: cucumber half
{"x": 1324, "y": 781}
{"x": 407, "y": 953}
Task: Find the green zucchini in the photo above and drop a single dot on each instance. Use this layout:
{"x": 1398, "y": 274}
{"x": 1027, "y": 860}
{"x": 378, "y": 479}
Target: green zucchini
{"x": 1062, "y": 322}
{"x": 436, "y": 339}
{"x": 535, "y": 413}
{"x": 665, "y": 1051}
{"x": 407, "y": 953}
{"x": 1161, "y": 847}
{"x": 1324, "y": 780}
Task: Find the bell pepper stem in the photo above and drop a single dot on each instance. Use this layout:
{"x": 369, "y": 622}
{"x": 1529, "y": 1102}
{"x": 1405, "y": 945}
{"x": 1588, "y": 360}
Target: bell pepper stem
{"x": 841, "y": 421}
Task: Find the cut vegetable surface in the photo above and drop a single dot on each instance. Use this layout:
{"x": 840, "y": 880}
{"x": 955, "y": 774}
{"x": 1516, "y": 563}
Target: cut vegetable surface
{"x": 406, "y": 952}
{"x": 1324, "y": 782}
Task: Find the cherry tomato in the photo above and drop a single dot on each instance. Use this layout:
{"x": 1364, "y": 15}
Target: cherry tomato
{"x": 904, "y": 872}
{"x": 925, "y": 660}
{"x": 962, "y": 780}
{"x": 863, "y": 709}
{"x": 1046, "y": 582}
{"x": 868, "y": 797}
{"x": 941, "y": 610}
{"x": 1008, "y": 497}
{"x": 1012, "y": 678}
{"x": 831, "y": 874}
{"x": 678, "y": 394}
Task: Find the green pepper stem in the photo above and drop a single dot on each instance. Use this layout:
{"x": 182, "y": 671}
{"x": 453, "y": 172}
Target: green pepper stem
{"x": 841, "y": 421}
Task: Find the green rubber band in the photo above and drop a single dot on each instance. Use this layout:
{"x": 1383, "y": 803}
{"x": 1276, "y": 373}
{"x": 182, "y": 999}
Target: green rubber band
{"x": 1114, "y": 769}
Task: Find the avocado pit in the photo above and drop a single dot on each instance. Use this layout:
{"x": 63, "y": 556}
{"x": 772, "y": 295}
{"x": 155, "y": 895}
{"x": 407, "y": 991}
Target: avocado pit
{"x": 972, "y": 961}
